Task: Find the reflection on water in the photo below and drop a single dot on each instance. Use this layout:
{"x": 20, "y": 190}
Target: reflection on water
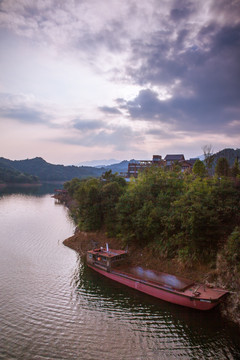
{"x": 173, "y": 331}
{"x": 53, "y": 307}
{"x": 37, "y": 190}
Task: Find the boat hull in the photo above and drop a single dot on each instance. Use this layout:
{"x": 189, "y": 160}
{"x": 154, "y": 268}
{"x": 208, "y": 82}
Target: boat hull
{"x": 165, "y": 294}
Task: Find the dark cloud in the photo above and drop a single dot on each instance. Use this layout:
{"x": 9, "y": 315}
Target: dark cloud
{"x": 120, "y": 101}
{"x": 181, "y": 11}
{"x": 158, "y": 63}
{"x": 227, "y": 10}
{"x": 110, "y": 110}
{"x": 161, "y": 134}
{"x": 212, "y": 111}
{"x": 87, "y": 125}
{"x": 146, "y": 106}
{"x": 215, "y": 82}
{"x": 92, "y": 43}
{"x": 24, "y": 115}
{"x": 206, "y": 69}
{"x": 192, "y": 54}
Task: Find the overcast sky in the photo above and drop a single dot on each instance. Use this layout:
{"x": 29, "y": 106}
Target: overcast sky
{"x": 90, "y": 79}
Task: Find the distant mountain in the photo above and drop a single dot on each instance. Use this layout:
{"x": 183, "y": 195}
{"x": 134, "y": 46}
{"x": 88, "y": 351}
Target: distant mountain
{"x": 11, "y": 176}
{"x": 99, "y": 163}
{"x": 229, "y": 154}
{"x": 27, "y": 170}
{"x": 201, "y": 157}
{"x": 120, "y": 167}
{"x": 49, "y": 172}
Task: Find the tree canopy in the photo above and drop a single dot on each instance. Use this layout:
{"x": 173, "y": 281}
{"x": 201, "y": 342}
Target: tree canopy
{"x": 199, "y": 168}
{"x": 222, "y": 167}
{"x": 177, "y": 215}
{"x": 9, "y": 175}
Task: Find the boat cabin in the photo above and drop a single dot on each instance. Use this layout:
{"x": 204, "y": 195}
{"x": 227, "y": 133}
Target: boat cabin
{"x": 104, "y": 258}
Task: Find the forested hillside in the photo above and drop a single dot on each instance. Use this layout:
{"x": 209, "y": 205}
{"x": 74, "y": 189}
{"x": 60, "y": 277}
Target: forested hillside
{"x": 49, "y": 172}
{"x": 176, "y": 215}
{"x": 229, "y": 154}
{"x": 9, "y": 175}
{"x": 178, "y": 221}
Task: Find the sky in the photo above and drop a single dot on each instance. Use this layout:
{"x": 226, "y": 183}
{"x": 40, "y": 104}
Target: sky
{"x": 86, "y": 80}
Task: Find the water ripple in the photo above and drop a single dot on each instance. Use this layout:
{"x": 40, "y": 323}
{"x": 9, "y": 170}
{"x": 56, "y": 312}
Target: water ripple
{"x": 53, "y": 307}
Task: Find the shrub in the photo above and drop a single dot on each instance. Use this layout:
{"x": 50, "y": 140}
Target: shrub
{"x": 233, "y": 247}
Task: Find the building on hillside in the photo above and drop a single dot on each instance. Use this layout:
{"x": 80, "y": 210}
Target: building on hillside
{"x": 136, "y": 166}
{"x": 157, "y": 159}
{"x": 192, "y": 161}
{"x": 185, "y": 165}
{"x": 173, "y": 158}
{"x": 179, "y": 159}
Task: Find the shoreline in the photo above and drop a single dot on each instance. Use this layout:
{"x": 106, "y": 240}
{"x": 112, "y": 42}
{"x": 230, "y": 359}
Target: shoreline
{"x": 40, "y": 183}
{"x": 83, "y": 241}
{"x": 222, "y": 275}
{"x": 3, "y": 185}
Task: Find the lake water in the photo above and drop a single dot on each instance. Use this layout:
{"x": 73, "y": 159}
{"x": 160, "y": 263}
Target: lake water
{"x": 53, "y": 307}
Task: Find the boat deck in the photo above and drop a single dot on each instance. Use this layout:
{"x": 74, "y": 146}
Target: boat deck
{"x": 171, "y": 282}
{"x": 160, "y": 278}
{"x": 108, "y": 254}
{"x": 165, "y": 286}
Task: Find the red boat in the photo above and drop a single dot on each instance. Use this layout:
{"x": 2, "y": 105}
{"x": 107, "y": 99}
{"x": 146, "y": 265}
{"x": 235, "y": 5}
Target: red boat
{"x": 163, "y": 286}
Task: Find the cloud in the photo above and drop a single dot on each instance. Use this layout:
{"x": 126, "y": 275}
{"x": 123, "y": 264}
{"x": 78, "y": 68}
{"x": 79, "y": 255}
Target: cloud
{"x": 24, "y": 115}
{"x": 87, "y": 125}
{"x": 110, "y": 110}
{"x": 186, "y": 114}
{"x": 180, "y": 59}
{"x": 85, "y": 27}
{"x": 200, "y": 73}
{"x": 162, "y": 134}
{"x": 146, "y": 106}
{"x": 93, "y": 134}
{"x": 181, "y": 10}
{"x": 22, "y": 108}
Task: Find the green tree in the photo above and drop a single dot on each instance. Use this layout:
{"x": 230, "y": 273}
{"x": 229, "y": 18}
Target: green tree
{"x": 145, "y": 207}
{"x": 128, "y": 205}
{"x": 72, "y": 186}
{"x": 108, "y": 176}
{"x": 208, "y": 157}
{"x": 176, "y": 215}
{"x": 176, "y": 166}
{"x": 110, "y": 194}
{"x": 199, "y": 168}
{"x": 97, "y": 199}
{"x": 222, "y": 167}
{"x": 233, "y": 247}
{"x": 89, "y": 204}
{"x": 235, "y": 171}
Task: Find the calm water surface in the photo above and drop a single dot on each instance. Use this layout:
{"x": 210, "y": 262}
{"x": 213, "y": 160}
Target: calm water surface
{"x": 53, "y": 307}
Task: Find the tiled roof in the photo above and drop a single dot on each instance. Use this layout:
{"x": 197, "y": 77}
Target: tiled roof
{"x": 175, "y": 157}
